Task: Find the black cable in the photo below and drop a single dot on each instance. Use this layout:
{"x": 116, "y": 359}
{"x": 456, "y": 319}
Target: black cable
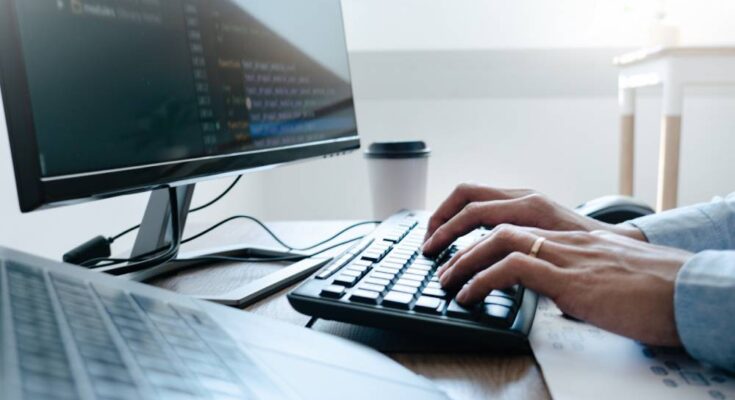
{"x": 123, "y": 233}
{"x": 116, "y": 261}
{"x": 268, "y": 259}
{"x": 142, "y": 262}
{"x": 199, "y": 208}
{"x": 218, "y": 198}
{"x": 273, "y": 235}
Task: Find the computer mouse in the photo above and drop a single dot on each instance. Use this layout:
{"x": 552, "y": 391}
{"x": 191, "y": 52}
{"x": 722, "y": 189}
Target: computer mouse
{"x": 614, "y": 209}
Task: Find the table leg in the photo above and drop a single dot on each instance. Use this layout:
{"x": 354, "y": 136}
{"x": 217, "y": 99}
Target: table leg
{"x": 626, "y": 99}
{"x": 668, "y": 167}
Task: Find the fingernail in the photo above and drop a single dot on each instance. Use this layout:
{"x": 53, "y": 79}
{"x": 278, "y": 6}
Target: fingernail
{"x": 462, "y": 296}
{"x": 426, "y": 246}
{"x": 443, "y": 280}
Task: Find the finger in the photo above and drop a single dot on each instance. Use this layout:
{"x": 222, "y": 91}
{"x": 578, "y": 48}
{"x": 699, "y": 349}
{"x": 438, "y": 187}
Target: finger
{"x": 538, "y": 275}
{"x": 463, "y": 195}
{"x": 503, "y": 241}
{"x": 473, "y": 215}
{"x": 450, "y": 263}
{"x": 447, "y": 265}
{"x": 567, "y": 243}
{"x": 458, "y": 255}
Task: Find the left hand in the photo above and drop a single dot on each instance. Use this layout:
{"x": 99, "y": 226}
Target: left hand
{"x": 616, "y": 283}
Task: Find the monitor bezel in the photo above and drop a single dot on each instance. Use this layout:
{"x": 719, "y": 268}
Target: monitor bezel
{"x": 36, "y": 192}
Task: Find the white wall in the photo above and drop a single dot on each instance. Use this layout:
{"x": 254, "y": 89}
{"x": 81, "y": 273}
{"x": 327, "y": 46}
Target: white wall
{"x": 512, "y": 93}
{"x": 396, "y": 25}
{"x": 566, "y": 148}
{"x": 53, "y": 232}
{"x": 515, "y": 93}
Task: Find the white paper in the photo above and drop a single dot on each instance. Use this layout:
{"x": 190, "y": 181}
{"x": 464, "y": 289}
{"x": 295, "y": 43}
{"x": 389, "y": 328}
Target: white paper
{"x": 580, "y": 361}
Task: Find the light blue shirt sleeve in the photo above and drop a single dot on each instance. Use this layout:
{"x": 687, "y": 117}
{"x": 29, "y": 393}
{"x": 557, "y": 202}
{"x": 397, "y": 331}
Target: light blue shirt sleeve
{"x": 704, "y": 296}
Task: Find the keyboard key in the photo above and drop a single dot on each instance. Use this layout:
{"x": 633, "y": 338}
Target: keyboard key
{"x": 47, "y": 386}
{"x": 358, "y": 268}
{"x": 380, "y": 246}
{"x": 422, "y": 260}
{"x": 406, "y": 249}
{"x": 387, "y": 270}
{"x": 503, "y": 301}
{"x": 327, "y": 272}
{"x": 392, "y": 264}
{"x": 457, "y": 310}
{"x": 114, "y": 389}
{"x": 402, "y": 258}
{"x": 397, "y": 300}
{"x": 372, "y": 256}
{"x": 434, "y": 285}
{"x": 377, "y": 281}
{"x": 497, "y": 313}
{"x": 499, "y": 293}
{"x": 420, "y": 267}
{"x": 349, "y": 272}
{"x": 372, "y": 288}
{"x": 345, "y": 280}
{"x": 429, "y": 305}
{"x": 365, "y": 296}
{"x": 382, "y": 275}
{"x": 434, "y": 292}
{"x": 405, "y": 289}
{"x": 416, "y": 277}
{"x": 334, "y": 291}
{"x": 155, "y": 306}
{"x": 361, "y": 263}
{"x": 408, "y": 282}
{"x": 513, "y": 291}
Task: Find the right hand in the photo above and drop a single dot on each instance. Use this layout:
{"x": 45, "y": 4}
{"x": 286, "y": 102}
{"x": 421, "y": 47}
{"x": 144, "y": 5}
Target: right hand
{"x": 471, "y": 206}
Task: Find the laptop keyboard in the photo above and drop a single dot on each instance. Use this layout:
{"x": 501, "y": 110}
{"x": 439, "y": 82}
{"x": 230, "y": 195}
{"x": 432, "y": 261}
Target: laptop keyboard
{"x": 126, "y": 346}
{"x": 44, "y": 365}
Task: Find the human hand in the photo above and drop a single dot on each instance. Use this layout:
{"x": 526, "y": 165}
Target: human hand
{"x": 471, "y": 206}
{"x": 616, "y": 283}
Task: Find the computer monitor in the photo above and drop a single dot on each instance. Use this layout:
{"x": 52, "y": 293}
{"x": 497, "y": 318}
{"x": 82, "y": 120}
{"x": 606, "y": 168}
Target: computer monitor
{"x": 110, "y": 97}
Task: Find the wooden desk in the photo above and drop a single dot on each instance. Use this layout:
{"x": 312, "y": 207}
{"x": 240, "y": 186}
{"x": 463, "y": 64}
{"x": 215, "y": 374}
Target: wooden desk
{"x": 462, "y": 376}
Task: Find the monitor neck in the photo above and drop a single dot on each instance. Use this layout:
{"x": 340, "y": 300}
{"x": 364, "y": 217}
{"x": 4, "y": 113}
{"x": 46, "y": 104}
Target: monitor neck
{"x": 155, "y": 230}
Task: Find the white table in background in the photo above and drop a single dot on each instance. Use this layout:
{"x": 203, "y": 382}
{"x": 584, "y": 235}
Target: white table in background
{"x": 672, "y": 68}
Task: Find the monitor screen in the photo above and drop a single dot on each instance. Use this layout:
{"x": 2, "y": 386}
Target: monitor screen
{"x": 121, "y": 83}
{"x": 135, "y": 85}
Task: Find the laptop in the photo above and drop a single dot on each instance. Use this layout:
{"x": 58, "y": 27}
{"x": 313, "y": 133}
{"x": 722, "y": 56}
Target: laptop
{"x": 68, "y": 333}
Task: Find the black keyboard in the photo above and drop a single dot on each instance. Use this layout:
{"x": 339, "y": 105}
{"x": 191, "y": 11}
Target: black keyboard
{"x": 385, "y": 281}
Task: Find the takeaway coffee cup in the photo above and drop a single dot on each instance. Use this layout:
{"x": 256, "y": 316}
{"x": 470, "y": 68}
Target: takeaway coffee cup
{"x": 398, "y": 174}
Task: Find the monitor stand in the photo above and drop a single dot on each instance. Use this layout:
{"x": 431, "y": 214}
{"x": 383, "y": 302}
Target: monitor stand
{"x": 155, "y": 232}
